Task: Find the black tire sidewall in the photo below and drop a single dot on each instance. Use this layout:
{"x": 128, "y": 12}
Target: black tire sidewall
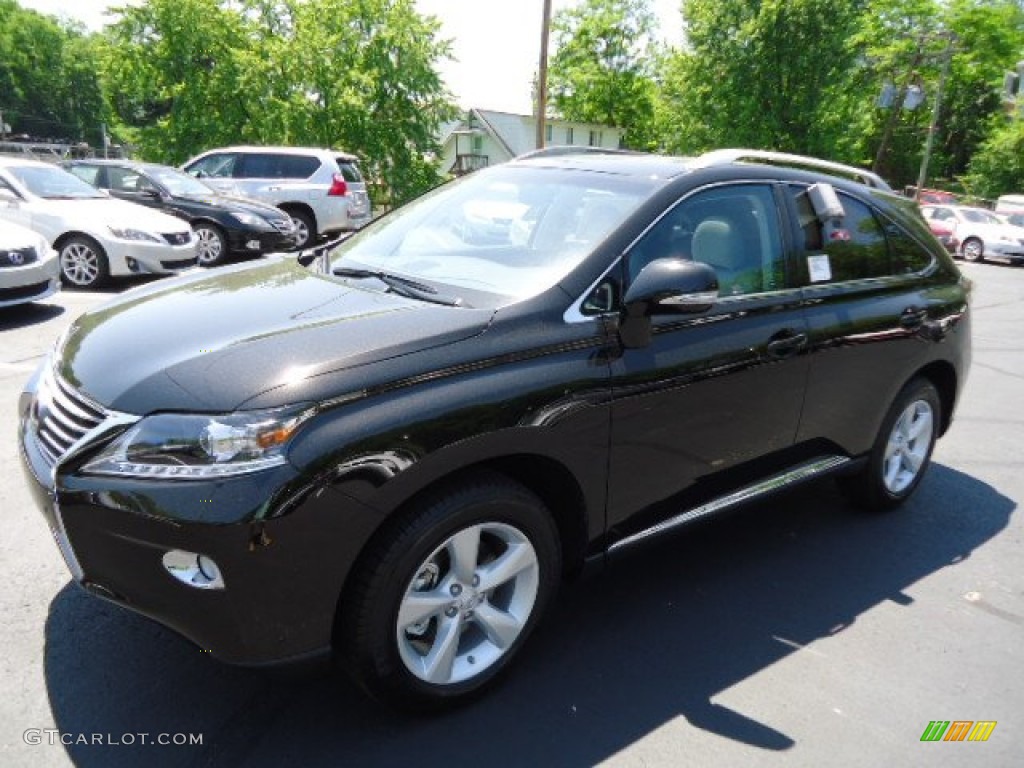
{"x": 981, "y": 253}
{"x": 374, "y": 657}
{"x": 306, "y": 219}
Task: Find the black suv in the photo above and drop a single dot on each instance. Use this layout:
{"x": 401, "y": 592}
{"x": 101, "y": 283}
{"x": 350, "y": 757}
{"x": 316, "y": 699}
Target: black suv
{"x": 397, "y": 460}
{"x": 223, "y": 225}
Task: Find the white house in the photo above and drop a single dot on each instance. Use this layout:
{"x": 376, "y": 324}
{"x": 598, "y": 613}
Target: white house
{"x": 484, "y": 137}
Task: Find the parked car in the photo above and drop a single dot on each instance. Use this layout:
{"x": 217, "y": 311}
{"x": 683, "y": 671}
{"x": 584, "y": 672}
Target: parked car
{"x": 321, "y": 189}
{"x": 223, "y": 225}
{"x": 944, "y": 233}
{"x": 28, "y": 265}
{"x": 981, "y": 233}
{"x": 95, "y": 235}
{"x": 1010, "y": 204}
{"x": 934, "y": 196}
{"x": 398, "y": 460}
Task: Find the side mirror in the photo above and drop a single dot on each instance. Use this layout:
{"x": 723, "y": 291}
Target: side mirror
{"x": 667, "y": 286}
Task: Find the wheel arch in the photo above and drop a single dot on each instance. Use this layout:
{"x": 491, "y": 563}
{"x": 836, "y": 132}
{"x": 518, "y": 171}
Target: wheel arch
{"x": 942, "y": 375}
{"x": 305, "y": 208}
{"x": 62, "y": 239}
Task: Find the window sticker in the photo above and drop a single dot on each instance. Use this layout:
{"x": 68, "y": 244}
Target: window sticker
{"x": 820, "y": 268}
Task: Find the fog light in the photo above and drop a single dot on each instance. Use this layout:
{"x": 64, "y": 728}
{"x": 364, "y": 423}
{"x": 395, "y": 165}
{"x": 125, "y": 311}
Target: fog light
{"x": 253, "y": 245}
{"x": 197, "y": 571}
{"x": 133, "y": 265}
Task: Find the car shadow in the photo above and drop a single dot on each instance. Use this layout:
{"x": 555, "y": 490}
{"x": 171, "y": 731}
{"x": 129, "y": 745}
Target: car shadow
{"x": 24, "y": 315}
{"x": 653, "y": 637}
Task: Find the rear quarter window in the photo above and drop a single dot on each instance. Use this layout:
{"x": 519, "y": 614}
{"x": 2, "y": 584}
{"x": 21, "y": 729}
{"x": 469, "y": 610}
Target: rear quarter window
{"x": 348, "y": 170}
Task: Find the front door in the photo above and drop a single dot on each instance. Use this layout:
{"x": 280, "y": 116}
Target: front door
{"x": 714, "y": 393}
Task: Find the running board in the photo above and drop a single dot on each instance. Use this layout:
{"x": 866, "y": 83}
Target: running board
{"x": 774, "y": 483}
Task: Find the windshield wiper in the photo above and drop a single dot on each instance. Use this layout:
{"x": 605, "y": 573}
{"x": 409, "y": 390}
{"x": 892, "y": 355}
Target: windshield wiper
{"x": 403, "y": 286}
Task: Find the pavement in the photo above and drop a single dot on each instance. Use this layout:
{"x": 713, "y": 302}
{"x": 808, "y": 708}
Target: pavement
{"x": 797, "y": 632}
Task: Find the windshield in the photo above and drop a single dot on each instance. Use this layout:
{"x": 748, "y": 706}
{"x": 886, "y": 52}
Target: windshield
{"x": 509, "y": 231}
{"x": 53, "y": 183}
{"x": 178, "y": 183}
{"x": 978, "y": 216}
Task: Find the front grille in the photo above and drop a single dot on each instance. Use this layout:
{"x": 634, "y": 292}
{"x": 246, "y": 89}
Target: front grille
{"x": 62, "y": 417}
{"x": 178, "y": 264}
{"x": 178, "y": 238}
{"x": 23, "y": 292}
{"x": 17, "y": 257}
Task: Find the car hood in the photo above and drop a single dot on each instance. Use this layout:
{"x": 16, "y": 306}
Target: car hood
{"x": 211, "y": 342}
{"x": 92, "y": 214}
{"x": 230, "y": 203}
{"x": 15, "y": 236}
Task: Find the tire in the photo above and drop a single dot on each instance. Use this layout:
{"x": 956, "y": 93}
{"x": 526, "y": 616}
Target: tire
{"x": 902, "y": 450}
{"x": 212, "y": 247}
{"x": 973, "y": 249}
{"x": 305, "y": 229}
{"x": 83, "y": 263}
{"x": 446, "y": 597}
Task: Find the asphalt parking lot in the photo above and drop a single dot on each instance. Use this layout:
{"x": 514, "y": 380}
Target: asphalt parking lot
{"x": 796, "y": 632}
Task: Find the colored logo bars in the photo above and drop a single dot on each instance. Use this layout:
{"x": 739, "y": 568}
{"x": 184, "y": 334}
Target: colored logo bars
{"x": 958, "y": 730}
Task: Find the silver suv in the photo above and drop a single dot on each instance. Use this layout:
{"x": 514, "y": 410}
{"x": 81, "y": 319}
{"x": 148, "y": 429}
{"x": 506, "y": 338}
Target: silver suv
{"x": 321, "y": 189}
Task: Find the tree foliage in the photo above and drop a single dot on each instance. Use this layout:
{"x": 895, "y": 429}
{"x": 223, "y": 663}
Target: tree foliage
{"x": 49, "y": 77}
{"x": 602, "y": 69}
{"x": 360, "y": 76}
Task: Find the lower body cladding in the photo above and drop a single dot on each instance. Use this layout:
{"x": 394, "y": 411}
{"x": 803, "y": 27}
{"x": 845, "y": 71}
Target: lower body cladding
{"x": 281, "y": 578}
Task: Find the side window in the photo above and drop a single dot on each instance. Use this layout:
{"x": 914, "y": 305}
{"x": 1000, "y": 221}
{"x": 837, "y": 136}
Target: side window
{"x": 858, "y": 247}
{"x": 123, "y": 180}
{"x": 257, "y": 166}
{"x": 216, "y": 166}
{"x": 733, "y": 229}
{"x": 349, "y": 170}
{"x": 87, "y": 173}
{"x": 296, "y": 166}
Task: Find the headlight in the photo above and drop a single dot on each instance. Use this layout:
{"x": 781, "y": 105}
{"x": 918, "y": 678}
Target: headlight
{"x": 252, "y": 220}
{"x": 197, "y": 447}
{"x": 127, "y": 233}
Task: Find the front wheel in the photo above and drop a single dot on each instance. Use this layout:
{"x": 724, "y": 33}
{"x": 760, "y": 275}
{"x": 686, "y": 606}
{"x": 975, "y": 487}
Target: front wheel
{"x": 211, "y": 246}
{"x": 83, "y": 263}
{"x": 449, "y": 593}
{"x": 974, "y": 249}
{"x": 902, "y": 450}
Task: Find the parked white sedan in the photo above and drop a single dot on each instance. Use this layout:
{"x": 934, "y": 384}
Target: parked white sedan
{"x": 28, "y": 266}
{"x": 981, "y": 233}
{"x": 95, "y": 235}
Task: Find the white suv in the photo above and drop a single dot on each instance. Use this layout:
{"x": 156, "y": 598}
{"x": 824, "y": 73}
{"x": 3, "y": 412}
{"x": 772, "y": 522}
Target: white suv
{"x": 321, "y": 189}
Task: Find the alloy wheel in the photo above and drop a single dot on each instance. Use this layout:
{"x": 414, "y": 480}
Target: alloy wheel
{"x": 210, "y": 247}
{"x": 908, "y": 445}
{"x": 467, "y": 603}
{"x": 80, "y": 264}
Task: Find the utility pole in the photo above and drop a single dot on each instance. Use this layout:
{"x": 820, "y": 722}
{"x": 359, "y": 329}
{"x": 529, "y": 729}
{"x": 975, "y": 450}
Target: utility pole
{"x": 922, "y": 177}
{"x": 901, "y": 95}
{"x": 542, "y": 75}
{"x": 3, "y": 128}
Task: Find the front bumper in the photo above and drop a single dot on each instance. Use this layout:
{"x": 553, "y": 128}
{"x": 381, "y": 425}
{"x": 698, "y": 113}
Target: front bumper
{"x": 30, "y": 282}
{"x": 284, "y": 549}
{"x": 132, "y": 257}
{"x": 256, "y": 243}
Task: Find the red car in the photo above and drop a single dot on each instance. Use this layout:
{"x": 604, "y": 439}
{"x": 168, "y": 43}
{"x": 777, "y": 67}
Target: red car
{"x": 944, "y": 234}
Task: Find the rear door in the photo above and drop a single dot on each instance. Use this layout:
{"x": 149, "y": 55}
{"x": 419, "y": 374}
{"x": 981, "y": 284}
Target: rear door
{"x": 866, "y": 304}
{"x": 715, "y": 396}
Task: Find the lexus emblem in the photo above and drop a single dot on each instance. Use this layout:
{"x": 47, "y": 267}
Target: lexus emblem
{"x": 15, "y": 258}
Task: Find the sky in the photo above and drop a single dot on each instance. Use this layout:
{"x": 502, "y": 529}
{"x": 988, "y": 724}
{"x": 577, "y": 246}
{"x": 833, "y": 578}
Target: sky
{"x": 496, "y": 43}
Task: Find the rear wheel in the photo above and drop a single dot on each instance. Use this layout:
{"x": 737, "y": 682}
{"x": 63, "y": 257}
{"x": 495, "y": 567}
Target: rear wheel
{"x": 974, "y": 249}
{"x": 902, "y": 450}
{"x": 305, "y": 229}
{"x": 83, "y": 263}
{"x": 449, "y": 594}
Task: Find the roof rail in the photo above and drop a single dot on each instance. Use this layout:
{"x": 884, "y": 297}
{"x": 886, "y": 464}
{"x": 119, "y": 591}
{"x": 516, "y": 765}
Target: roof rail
{"x": 561, "y": 150}
{"x": 726, "y": 156}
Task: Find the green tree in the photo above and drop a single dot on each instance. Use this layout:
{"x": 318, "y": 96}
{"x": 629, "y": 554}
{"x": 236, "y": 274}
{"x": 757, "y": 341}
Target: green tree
{"x": 997, "y": 168}
{"x": 770, "y": 74}
{"x": 361, "y": 76}
{"x": 602, "y": 69}
{"x": 49, "y": 80}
